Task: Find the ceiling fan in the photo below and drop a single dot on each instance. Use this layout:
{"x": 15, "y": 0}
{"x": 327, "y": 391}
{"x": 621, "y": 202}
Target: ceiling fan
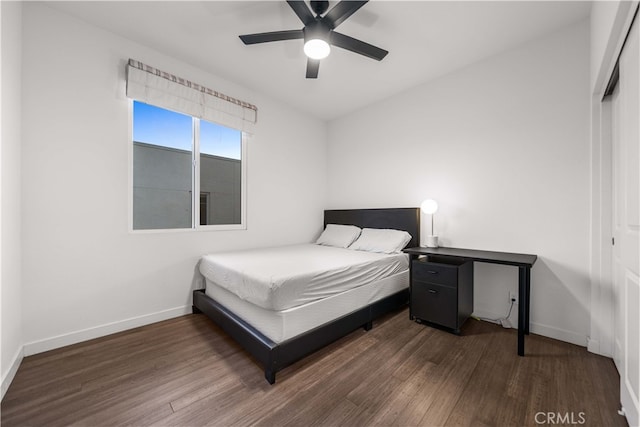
{"x": 318, "y": 32}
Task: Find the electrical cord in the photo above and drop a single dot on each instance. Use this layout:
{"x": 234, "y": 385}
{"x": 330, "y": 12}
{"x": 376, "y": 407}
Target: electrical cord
{"x": 503, "y": 321}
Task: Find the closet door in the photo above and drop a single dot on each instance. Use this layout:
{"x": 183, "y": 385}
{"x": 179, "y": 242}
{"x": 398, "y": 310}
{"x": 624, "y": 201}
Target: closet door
{"x": 626, "y": 224}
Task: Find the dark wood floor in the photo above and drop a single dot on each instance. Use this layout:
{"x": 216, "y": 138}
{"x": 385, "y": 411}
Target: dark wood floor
{"x": 186, "y": 372}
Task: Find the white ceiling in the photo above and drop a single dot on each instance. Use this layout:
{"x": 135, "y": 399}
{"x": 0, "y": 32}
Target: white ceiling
{"x": 426, "y": 39}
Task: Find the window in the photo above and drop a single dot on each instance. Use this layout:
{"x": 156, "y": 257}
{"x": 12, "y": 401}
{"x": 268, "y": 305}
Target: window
{"x": 189, "y": 143}
{"x": 176, "y": 156}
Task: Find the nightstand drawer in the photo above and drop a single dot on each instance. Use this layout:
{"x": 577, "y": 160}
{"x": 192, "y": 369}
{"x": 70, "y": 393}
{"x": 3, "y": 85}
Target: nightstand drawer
{"x": 443, "y": 274}
{"x": 435, "y": 303}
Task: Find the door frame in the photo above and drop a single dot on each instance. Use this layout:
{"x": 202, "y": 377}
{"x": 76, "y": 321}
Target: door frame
{"x": 601, "y": 336}
{"x": 603, "y": 304}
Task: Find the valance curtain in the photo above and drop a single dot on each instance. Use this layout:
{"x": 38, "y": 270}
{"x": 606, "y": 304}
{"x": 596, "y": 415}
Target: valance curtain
{"x": 152, "y": 86}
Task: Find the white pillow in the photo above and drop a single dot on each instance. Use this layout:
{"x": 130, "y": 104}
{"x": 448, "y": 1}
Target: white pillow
{"x": 385, "y": 241}
{"x": 338, "y": 235}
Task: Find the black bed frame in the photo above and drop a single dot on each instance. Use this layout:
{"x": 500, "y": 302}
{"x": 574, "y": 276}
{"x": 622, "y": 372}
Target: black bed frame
{"x": 276, "y": 356}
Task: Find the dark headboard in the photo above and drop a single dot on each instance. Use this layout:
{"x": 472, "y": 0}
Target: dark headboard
{"x": 407, "y": 219}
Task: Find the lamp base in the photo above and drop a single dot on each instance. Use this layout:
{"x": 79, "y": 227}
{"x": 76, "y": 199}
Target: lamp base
{"x": 432, "y": 241}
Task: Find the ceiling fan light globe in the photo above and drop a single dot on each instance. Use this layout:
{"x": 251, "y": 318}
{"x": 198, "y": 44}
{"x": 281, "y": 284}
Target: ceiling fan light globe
{"x": 317, "y": 49}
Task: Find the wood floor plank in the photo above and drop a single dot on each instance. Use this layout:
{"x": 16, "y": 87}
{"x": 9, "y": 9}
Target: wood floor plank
{"x": 104, "y": 390}
{"x": 456, "y": 374}
{"x": 342, "y": 414}
{"x": 362, "y": 393}
{"x": 603, "y": 386}
{"x": 188, "y": 372}
{"x": 477, "y": 404}
{"x": 355, "y": 370}
{"x": 88, "y": 363}
{"x": 434, "y": 347}
{"x": 303, "y": 377}
{"x": 323, "y": 399}
{"x": 388, "y": 414}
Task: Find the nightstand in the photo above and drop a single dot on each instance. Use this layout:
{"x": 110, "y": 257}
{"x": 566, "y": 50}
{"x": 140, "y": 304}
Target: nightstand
{"x": 441, "y": 291}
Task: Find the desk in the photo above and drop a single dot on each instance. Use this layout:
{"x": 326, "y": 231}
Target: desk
{"x": 524, "y": 262}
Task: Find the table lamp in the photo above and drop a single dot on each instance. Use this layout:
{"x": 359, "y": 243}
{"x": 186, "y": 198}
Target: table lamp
{"x": 430, "y": 207}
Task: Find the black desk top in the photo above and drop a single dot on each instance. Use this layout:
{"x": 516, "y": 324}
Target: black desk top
{"x": 507, "y": 258}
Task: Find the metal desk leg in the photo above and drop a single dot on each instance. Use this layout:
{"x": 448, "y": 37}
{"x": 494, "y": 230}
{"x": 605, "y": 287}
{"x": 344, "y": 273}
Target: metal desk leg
{"x": 527, "y": 299}
{"x": 522, "y": 308}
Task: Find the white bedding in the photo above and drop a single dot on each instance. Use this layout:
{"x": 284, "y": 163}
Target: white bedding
{"x": 284, "y": 277}
{"x": 282, "y": 325}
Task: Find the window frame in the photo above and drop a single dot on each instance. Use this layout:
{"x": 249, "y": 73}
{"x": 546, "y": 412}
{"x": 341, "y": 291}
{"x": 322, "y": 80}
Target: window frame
{"x": 195, "y": 181}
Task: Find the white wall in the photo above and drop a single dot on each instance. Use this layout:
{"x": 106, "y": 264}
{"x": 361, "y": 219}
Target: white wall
{"x": 10, "y": 214}
{"x": 503, "y": 146}
{"x": 86, "y": 275}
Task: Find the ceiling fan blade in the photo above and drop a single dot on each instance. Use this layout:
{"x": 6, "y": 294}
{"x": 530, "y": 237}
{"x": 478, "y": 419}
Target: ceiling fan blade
{"x": 303, "y": 12}
{"x": 273, "y": 36}
{"x": 312, "y": 68}
{"x": 342, "y": 11}
{"x": 357, "y": 46}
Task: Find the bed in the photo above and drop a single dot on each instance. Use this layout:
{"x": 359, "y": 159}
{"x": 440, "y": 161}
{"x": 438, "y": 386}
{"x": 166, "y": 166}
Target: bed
{"x": 300, "y": 310}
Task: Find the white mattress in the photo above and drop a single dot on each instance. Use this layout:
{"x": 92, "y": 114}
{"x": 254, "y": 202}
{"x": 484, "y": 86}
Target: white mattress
{"x": 284, "y": 277}
{"x": 281, "y": 325}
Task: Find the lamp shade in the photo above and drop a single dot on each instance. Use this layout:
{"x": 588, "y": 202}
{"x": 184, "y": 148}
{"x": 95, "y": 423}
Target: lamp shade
{"x": 429, "y": 206}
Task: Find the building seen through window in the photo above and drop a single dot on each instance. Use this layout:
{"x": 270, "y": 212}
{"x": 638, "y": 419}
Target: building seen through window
{"x": 176, "y": 156}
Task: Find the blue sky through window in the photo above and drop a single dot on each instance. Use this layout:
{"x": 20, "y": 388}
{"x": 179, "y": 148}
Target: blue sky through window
{"x": 220, "y": 140}
{"x": 154, "y": 125}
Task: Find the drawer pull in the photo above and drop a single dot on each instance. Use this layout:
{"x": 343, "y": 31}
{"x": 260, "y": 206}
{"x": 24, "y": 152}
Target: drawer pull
{"x": 432, "y": 272}
{"x": 433, "y": 291}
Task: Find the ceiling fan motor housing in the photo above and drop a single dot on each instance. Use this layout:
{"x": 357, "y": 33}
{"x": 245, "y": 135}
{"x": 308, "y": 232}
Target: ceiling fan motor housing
{"x": 316, "y": 30}
{"x": 319, "y": 6}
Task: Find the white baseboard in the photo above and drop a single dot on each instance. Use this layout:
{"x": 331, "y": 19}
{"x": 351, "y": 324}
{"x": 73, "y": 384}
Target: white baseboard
{"x": 559, "y": 334}
{"x": 47, "y": 344}
{"x": 539, "y": 328}
{"x": 594, "y": 347}
{"x": 13, "y": 369}
{"x": 597, "y": 347}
